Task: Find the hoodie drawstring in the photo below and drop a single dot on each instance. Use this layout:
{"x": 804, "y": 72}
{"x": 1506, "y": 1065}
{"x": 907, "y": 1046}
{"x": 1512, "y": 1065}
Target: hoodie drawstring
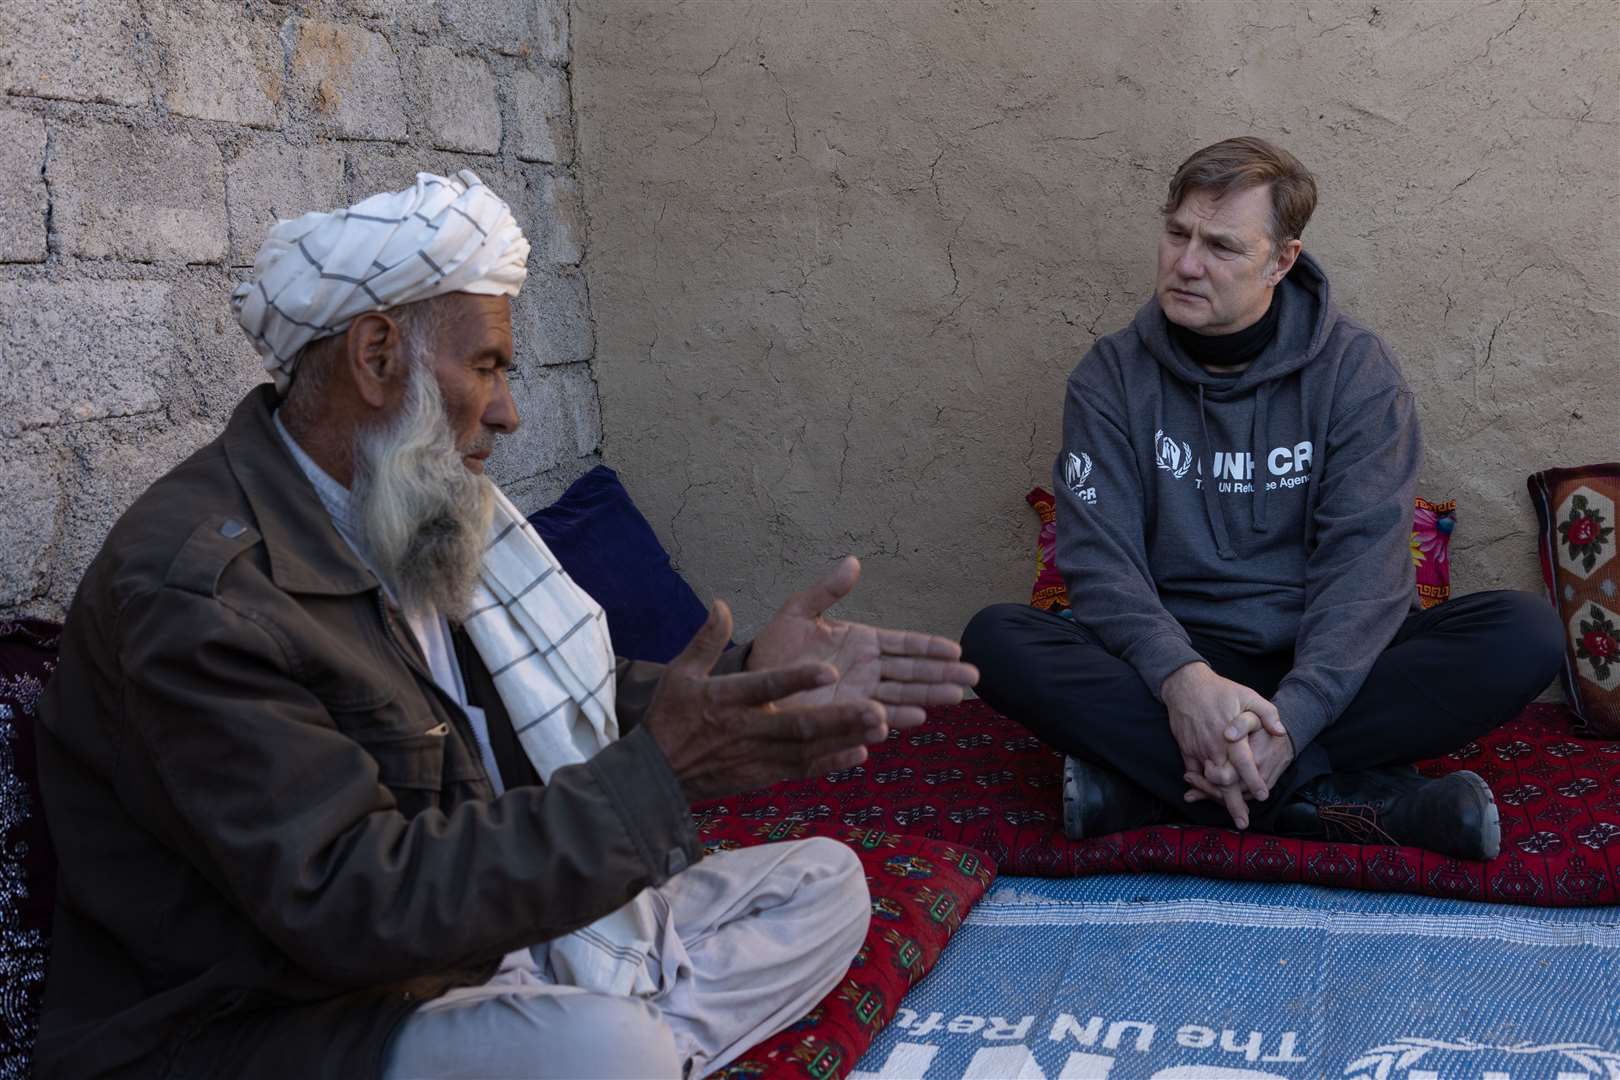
{"x": 1223, "y": 543}
{"x": 1257, "y": 440}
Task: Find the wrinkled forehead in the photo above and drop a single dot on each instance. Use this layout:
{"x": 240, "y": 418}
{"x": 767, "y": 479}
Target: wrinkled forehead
{"x": 476, "y": 323}
{"x": 1240, "y": 212}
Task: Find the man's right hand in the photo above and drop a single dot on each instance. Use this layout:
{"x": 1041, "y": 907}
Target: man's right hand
{"x": 724, "y": 733}
{"x": 1208, "y": 713}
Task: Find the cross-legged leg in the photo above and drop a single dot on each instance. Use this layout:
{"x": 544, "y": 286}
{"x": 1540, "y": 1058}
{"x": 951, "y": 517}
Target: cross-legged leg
{"x": 764, "y": 933}
{"x": 749, "y": 942}
{"x": 1452, "y": 674}
{"x": 1055, "y": 677}
{"x": 529, "y": 1030}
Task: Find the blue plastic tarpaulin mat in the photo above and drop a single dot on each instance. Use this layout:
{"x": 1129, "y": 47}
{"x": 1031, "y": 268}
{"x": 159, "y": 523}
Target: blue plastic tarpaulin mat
{"x": 1175, "y": 978}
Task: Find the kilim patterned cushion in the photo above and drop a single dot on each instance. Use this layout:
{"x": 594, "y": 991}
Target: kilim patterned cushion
{"x": 971, "y": 777}
{"x": 920, "y": 889}
{"x": 1577, "y": 511}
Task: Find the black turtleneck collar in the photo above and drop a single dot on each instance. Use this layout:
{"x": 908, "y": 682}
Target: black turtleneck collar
{"x": 1230, "y": 350}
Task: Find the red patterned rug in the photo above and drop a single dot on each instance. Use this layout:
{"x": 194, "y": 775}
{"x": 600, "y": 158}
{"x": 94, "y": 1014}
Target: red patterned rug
{"x": 971, "y": 777}
{"x": 920, "y": 889}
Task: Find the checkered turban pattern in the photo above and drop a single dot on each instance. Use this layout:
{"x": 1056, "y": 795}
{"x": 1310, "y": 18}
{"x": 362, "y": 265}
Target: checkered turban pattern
{"x": 315, "y": 274}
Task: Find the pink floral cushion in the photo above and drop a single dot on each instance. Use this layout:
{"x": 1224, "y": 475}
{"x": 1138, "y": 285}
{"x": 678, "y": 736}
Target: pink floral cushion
{"x": 1049, "y": 593}
{"x": 1431, "y": 550}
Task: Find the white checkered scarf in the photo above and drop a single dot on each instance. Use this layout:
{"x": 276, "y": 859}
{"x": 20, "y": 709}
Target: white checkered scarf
{"x": 546, "y": 643}
{"x": 315, "y": 274}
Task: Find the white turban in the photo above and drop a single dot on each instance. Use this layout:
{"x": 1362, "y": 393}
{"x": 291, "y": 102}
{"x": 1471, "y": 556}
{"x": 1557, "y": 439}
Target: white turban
{"x": 315, "y": 274}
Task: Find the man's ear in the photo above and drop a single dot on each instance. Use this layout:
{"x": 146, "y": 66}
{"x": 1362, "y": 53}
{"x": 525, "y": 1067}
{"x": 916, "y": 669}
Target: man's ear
{"x": 1287, "y": 254}
{"x": 374, "y": 356}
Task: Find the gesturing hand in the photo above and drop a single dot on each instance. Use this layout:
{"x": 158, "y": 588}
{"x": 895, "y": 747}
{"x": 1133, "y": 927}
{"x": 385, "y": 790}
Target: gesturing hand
{"x": 907, "y": 671}
{"x": 730, "y": 733}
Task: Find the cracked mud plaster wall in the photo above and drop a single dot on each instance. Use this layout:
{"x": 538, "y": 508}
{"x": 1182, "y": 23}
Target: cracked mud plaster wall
{"x": 146, "y": 146}
{"x": 845, "y": 254}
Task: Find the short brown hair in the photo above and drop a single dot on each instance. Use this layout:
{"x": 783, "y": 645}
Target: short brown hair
{"x": 1235, "y": 164}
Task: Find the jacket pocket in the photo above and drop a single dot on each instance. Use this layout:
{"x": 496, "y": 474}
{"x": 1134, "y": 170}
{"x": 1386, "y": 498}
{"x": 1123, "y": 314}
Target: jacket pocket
{"x": 409, "y": 765}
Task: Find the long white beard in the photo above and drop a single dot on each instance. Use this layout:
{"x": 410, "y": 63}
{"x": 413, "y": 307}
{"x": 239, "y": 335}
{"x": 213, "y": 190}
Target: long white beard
{"x": 422, "y": 516}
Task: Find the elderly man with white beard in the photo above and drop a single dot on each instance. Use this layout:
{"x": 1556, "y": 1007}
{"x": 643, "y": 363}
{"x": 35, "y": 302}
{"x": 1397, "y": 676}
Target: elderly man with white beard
{"x": 344, "y": 777}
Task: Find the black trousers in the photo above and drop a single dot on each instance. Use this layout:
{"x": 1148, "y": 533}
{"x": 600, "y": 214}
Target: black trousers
{"x": 1452, "y": 673}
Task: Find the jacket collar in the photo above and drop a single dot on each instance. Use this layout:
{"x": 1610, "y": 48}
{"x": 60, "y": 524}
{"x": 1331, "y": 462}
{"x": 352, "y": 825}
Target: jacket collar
{"x": 306, "y": 553}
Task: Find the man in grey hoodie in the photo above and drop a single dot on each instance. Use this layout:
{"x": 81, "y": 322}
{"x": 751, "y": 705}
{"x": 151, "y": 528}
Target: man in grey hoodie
{"x": 1234, "y": 507}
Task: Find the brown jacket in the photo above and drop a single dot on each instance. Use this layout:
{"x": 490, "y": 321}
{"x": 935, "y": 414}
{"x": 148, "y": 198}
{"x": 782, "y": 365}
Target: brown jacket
{"x": 275, "y": 831}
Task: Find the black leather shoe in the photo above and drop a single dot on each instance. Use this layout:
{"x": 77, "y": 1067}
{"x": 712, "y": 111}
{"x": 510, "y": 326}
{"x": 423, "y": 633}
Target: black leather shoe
{"x": 1098, "y": 801}
{"x": 1454, "y": 814}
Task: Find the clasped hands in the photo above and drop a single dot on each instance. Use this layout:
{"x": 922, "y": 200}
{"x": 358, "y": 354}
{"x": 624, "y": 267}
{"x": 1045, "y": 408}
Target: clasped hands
{"x": 815, "y": 693}
{"x": 1233, "y": 743}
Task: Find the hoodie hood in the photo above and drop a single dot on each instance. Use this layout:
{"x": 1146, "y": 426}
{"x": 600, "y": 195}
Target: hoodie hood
{"x": 1304, "y": 321}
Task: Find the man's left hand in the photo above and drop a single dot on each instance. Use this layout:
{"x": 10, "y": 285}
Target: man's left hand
{"x": 908, "y": 672}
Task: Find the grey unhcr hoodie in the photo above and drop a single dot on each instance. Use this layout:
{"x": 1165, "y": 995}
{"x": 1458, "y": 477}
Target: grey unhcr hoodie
{"x": 1271, "y": 510}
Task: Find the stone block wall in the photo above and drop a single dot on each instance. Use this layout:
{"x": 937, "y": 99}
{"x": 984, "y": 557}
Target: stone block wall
{"x": 146, "y": 149}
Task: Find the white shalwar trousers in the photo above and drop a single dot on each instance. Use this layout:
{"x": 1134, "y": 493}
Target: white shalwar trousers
{"x": 750, "y": 941}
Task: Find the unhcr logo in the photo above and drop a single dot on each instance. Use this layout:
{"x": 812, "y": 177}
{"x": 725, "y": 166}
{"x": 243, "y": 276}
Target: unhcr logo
{"x": 1076, "y": 471}
{"x": 1173, "y": 457}
{"x": 1428, "y": 1059}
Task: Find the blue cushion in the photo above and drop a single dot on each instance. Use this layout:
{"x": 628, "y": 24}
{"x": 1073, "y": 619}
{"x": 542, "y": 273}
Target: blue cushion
{"x": 608, "y": 548}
